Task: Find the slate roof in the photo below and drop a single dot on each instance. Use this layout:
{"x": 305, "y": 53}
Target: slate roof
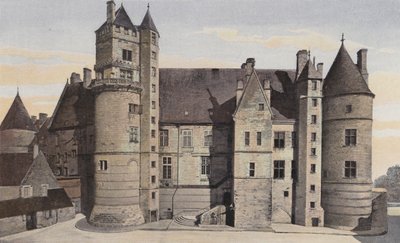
{"x": 56, "y": 198}
{"x": 148, "y": 23}
{"x": 74, "y": 108}
{"x": 17, "y": 117}
{"x": 344, "y": 77}
{"x": 122, "y": 19}
{"x": 14, "y": 167}
{"x": 184, "y": 97}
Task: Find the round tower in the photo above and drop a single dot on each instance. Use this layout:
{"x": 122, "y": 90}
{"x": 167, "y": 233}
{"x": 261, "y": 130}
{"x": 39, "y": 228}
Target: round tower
{"x": 346, "y": 144}
{"x": 117, "y": 91}
{"x": 117, "y": 154}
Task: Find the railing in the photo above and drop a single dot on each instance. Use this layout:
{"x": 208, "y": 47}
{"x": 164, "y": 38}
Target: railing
{"x": 118, "y": 81}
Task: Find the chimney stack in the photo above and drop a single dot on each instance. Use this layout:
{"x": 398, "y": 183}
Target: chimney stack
{"x": 362, "y": 63}
{"x": 320, "y": 67}
{"x": 75, "y": 78}
{"x": 42, "y": 117}
{"x": 302, "y": 58}
{"x": 249, "y": 66}
{"x": 87, "y": 77}
{"x": 33, "y": 118}
{"x": 267, "y": 89}
{"x": 239, "y": 91}
{"x": 110, "y": 12}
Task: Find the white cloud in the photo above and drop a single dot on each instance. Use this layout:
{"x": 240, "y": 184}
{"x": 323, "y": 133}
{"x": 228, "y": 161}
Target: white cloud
{"x": 386, "y": 133}
{"x": 387, "y": 112}
{"x": 300, "y": 39}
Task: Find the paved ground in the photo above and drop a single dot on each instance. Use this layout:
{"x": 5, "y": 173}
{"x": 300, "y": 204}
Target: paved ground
{"x": 67, "y": 232}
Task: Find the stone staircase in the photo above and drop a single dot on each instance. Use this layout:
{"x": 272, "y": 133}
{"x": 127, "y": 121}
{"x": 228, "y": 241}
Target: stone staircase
{"x": 186, "y": 221}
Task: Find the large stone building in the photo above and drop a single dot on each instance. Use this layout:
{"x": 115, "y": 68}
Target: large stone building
{"x": 271, "y": 145}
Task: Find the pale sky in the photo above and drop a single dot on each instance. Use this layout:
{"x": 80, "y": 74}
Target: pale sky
{"x": 43, "y": 41}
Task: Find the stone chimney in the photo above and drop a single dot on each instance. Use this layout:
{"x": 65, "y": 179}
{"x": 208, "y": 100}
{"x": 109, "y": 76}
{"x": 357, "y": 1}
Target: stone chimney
{"x": 33, "y": 118}
{"x": 302, "y": 58}
{"x": 249, "y": 66}
{"x": 87, "y": 77}
{"x": 362, "y": 63}
{"x": 320, "y": 68}
{"x": 267, "y": 89}
{"x": 42, "y": 117}
{"x": 75, "y": 78}
{"x": 239, "y": 91}
{"x": 110, "y": 12}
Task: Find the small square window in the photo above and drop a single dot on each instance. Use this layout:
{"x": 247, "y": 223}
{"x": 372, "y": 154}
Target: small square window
{"x": 261, "y": 107}
{"x": 349, "y": 108}
{"x": 153, "y": 55}
{"x": 247, "y": 138}
{"x": 313, "y": 136}
{"x": 313, "y": 151}
{"x": 286, "y": 193}
{"x": 314, "y": 85}
{"x": 153, "y": 88}
{"x": 153, "y": 105}
{"x": 153, "y": 195}
{"x": 153, "y": 179}
{"x": 153, "y": 120}
{"x": 153, "y": 133}
{"x": 153, "y": 148}
{"x": 314, "y": 102}
{"x": 313, "y": 168}
{"x": 153, "y": 164}
{"x": 313, "y": 119}
{"x": 312, "y": 188}
{"x": 312, "y": 204}
{"x": 153, "y": 72}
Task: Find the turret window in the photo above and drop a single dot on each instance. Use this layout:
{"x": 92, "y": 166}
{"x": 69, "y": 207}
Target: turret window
{"x": 314, "y": 102}
{"x": 350, "y": 169}
{"x": 349, "y": 108}
{"x": 153, "y": 88}
{"x": 313, "y": 151}
{"x": 153, "y": 72}
{"x": 153, "y": 55}
{"x": 126, "y": 55}
{"x": 312, "y": 188}
{"x": 313, "y": 119}
{"x": 103, "y": 165}
{"x": 314, "y": 85}
{"x": 153, "y": 38}
{"x": 350, "y": 137}
{"x": 313, "y": 136}
{"x": 252, "y": 169}
{"x": 313, "y": 168}
{"x": 279, "y": 139}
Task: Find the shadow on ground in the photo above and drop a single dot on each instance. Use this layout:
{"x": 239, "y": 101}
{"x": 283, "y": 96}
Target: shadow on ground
{"x": 392, "y": 236}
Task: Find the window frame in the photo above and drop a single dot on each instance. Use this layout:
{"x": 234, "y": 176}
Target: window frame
{"x": 103, "y": 165}
{"x": 252, "y": 169}
{"x": 313, "y": 168}
{"x": 259, "y": 138}
{"x": 127, "y": 55}
{"x": 350, "y": 137}
{"x": 261, "y": 106}
{"x": 205, "y": 166}
{"x": 164, "y": 138}
{"x": 208, "y": 138}
{"x": 247, "y": 138}
{"x": 133, "y": 134}
{"x": 350, "y": 169}
{"x": 187, "y": 138}
{"x": 279, "y": 139}
{"x": 279, "y": 169}
{"x": 167, "y": 167}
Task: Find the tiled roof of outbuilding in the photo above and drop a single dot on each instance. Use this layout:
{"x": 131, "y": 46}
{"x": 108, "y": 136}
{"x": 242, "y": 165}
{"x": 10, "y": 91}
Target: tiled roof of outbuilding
{"x": 17, "y": 117}
{"x": 184, "y": 97}
{"x": 344, "y": 77}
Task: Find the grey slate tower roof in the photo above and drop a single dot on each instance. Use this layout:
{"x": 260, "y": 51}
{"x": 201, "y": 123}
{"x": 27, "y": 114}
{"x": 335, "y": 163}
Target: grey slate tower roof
{"x": 344, "y": 77}
{"x": 122, "y": 19}
{"x": 17, "y": 117}
{"x": 148, "y": 23}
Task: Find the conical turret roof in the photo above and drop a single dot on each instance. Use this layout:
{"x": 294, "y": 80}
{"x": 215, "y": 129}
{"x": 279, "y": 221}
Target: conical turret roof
{"x": 17, "y": 117}
{"x": 148, "y": 22}
{"x": 344, "y": 77}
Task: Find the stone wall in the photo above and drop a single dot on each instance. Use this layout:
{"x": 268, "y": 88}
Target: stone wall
{"x": 12, "y": 225}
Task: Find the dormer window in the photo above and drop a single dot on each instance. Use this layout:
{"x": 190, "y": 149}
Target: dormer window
{"x": 126, "y": 55}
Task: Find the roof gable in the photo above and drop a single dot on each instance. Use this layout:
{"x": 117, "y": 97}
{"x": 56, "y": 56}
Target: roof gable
{"x": 253, "y": 91}
{"x": 17, "y": 117}
{"x": 309, "y": 72}
{"x": 344, "y": 77}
